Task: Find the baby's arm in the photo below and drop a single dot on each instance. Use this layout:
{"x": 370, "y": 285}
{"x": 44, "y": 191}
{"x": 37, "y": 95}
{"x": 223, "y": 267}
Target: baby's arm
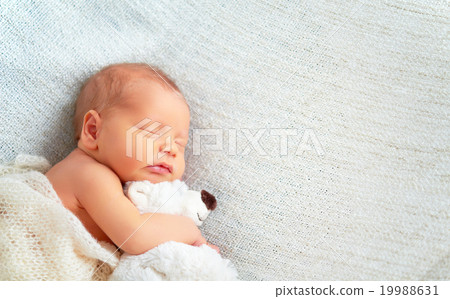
{"x": 100, "y": 194}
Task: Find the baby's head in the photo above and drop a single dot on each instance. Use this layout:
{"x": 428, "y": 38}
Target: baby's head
{"x": 133, "y": 119}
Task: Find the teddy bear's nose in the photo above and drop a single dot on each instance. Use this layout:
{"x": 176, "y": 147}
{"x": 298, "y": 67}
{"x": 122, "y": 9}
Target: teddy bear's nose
{"x": 209, "y": 200}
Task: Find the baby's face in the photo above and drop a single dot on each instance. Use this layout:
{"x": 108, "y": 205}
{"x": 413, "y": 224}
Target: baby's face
{"x": 133, "y": 145}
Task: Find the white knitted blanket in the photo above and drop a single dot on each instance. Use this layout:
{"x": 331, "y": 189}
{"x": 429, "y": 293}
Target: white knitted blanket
{"x": 40, "y": 239}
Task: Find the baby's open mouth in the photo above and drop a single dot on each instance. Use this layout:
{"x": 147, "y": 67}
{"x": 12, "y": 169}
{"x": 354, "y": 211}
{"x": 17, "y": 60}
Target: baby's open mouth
{"x": 160, "y": 168}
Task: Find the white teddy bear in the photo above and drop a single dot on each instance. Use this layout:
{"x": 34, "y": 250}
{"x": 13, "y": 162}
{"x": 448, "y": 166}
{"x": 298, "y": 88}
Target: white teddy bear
{"x": 173, "y": 260}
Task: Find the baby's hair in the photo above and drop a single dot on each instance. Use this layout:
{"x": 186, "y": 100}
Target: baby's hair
{"x": 104, "y": 89}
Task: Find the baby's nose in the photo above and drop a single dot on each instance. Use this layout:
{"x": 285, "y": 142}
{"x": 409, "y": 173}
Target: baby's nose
{"x": 168, "y": 147}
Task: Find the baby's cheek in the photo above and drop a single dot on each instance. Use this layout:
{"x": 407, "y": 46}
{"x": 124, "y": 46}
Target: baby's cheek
{"x": 180, "y": 170}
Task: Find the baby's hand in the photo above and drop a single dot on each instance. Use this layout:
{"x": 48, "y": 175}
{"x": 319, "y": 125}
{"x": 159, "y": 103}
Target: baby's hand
{"x": 214, "y": 247}
{"x": 202, "y": 241}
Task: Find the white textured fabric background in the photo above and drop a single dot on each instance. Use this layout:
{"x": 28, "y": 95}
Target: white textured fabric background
{"x": 368, "y": 78}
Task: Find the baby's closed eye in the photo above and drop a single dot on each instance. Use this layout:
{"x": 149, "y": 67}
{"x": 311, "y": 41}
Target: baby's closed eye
{"x": 181, "y": 144}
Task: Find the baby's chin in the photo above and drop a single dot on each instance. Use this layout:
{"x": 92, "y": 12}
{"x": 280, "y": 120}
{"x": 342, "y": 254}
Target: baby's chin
{"x": 154, "y": 178}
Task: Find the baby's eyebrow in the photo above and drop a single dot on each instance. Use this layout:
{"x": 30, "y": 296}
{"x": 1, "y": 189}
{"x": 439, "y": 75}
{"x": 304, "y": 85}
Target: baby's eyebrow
{"x": 161, "y": 128}
{"x": 154, "y": 127}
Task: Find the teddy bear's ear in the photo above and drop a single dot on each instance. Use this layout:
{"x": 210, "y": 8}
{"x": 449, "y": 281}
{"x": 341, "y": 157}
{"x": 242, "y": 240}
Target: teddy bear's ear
{"x": 209, "y": 200}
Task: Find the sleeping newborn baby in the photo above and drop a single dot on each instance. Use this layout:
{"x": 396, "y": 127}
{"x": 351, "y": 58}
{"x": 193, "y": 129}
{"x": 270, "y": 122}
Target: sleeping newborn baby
{"x": 89, "y": 180}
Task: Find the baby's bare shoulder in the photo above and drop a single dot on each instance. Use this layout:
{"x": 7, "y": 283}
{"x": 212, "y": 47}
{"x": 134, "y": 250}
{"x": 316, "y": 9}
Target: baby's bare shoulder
{"x": 87, "y": 173}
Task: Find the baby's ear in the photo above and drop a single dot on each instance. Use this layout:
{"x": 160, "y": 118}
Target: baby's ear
{"x": 91, "y": 128}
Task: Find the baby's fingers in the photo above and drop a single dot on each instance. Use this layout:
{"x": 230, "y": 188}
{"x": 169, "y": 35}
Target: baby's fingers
{"x": 214, "y": 247}
{"x": 199, "y": 242}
